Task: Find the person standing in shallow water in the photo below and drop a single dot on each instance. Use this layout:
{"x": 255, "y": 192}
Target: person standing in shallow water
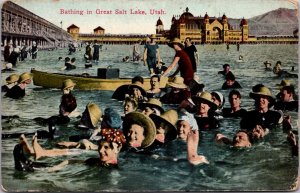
{"x": 151, "y": 54}
{"x": 96, "y": 47}
{"x": 184, "y": 63}
{"x": 191, "y": 50}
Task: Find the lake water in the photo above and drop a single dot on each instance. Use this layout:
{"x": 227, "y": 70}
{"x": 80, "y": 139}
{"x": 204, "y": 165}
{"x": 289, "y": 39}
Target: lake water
{"x": 267, "y": 165}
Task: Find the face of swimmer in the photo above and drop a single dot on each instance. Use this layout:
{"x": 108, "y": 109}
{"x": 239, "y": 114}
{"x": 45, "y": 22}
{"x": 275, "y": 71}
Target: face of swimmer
{"x": 135, "y": 135}
{"x": 258, "y": 132}
{"x": 108, "y": 152}
{"x": 183, "y": 129}
{"x": 241, "y": 139}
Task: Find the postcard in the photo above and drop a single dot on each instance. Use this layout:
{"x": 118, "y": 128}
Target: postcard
{"x": 149, "y": 95}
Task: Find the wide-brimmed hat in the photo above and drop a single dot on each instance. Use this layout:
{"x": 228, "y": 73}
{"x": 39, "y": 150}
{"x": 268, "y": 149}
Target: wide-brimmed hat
{"x": 177, "y": 82}
{"x": 148, "y": 39}
{"x": 263, "y": 91}
{"x": 152, "y": 103}
{"x": 95, "y": 113}
{"x": 25, "y": 76}
{"x": 145, "y": 122}
{"x": 12, "y": 78}
{"x": 205, "y": 97}
{"x": 283, "y": 83}
{"x": 169, "y": 118}
{"x": 153, "y": 36}
{"x": 68, "y": 83}
{"x": 175, "y": 41}
{"x": 138, "y": 86}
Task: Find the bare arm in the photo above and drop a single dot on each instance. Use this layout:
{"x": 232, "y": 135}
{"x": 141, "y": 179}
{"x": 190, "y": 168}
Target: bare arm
{"x": 197, "y": 58}
{"x": 145, "y": 56}
{"x": 63, "y": 164}
{"x": 192, "y": 149}
{"x": 172, "y": 65}
{"x": 158, "y": 55}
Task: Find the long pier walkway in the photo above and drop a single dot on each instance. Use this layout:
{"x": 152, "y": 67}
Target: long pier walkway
{"x": 22, "y": 27}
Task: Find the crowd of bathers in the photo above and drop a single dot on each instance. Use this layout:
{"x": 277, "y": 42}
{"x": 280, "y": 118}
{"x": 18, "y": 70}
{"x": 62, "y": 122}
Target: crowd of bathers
{"x": 147, "y": 125}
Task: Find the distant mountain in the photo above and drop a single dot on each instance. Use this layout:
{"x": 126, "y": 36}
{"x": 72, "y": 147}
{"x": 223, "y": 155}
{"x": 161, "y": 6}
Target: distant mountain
{"x": 281, "y": 21}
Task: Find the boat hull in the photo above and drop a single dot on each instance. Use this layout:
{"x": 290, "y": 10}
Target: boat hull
{"x": 55, "y": 80}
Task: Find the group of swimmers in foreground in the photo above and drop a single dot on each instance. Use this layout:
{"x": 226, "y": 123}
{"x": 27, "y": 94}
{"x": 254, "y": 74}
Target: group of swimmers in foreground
{"x": 146, "y": 126}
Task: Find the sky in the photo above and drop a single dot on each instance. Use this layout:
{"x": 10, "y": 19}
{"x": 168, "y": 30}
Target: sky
{"x": 110, "y": 14}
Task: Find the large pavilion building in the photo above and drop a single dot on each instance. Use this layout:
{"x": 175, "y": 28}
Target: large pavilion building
{"x": 204, "y": 29}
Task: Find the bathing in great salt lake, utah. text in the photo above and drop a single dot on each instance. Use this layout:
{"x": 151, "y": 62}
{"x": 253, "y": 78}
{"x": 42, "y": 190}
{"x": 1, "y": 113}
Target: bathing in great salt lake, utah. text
{"x": 116, "y": 11}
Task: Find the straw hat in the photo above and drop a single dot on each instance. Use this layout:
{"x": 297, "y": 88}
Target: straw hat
{"x": 205, "y": 97}
{"x": 95, "y": 113}
{"x": 148, "y": 39}
{"x": 25, "y": 76}
{"x": 169, "y": 118}
{"x": 12, "y": 78}
{"x": 284, "y": 83}
{"x": 145, "y": 121}
{"x": 68, "y": 83}
{"x": 263, "y": 91}
{"x": 153, "y": 36}
{"x": 175, "y": 41}
{"x": 152, "y": 103}
{"x": 177, "y": 82}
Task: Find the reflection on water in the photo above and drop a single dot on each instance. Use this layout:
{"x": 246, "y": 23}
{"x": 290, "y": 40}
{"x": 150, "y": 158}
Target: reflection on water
{"x": 268, "y": 165}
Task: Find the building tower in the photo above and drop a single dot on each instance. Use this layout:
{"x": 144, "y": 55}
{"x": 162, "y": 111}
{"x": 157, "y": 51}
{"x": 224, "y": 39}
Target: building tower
{"x": 225, "y": 28}
{"x": 159, "y": 26}
{"x": 74, "y": 31}
{"x": 206, "y": 34}
{"x": 245, "y": 30}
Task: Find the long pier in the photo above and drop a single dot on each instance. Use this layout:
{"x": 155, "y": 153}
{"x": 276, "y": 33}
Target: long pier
{"x": 20, "y": 26}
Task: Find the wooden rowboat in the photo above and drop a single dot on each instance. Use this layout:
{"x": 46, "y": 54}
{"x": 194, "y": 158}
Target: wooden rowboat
{"x": 55, "y": 80}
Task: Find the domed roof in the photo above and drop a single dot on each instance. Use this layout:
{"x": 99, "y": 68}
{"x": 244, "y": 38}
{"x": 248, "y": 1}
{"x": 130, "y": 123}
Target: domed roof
{"x": 159, "y": 22}
{"x": 206, "y": 16}
{"x": 186, "y": 14}
{"x": 173, "y": 18}
{"x": 224, "y": 16}
{"x": 244, "y": 22}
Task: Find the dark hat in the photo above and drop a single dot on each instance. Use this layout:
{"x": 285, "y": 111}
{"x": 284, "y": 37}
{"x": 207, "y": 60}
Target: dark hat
{"x": 225, "y": 65}
{"x": 134, "y": 85}
{"x": 230, "y": 76}
{"x": 111, "y": 118}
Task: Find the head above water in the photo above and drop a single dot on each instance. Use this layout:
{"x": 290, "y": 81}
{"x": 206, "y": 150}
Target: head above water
{"x": 139, "y": 130}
